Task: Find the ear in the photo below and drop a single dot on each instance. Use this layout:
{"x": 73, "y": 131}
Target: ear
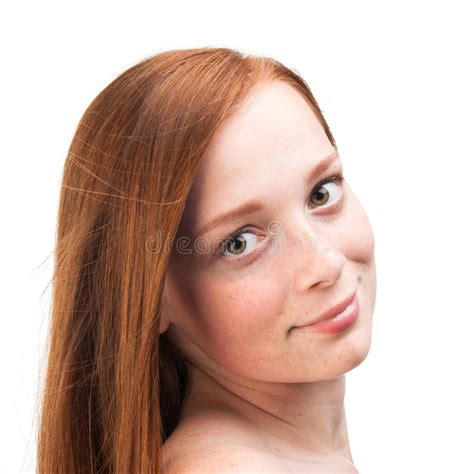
{"x": 164, "y": 321}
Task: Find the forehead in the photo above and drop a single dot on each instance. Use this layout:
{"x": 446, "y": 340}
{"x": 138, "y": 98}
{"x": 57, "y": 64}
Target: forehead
{"x": 256, "y": 149}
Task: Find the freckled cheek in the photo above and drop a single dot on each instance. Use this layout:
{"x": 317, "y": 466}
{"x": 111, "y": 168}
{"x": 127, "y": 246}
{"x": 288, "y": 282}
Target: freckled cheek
{"x": 240, "y": 309}
{"x": 357, "y": 237}
{"x": 362, "y": 245}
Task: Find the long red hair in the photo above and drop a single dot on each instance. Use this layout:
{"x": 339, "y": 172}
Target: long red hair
{"x": 113, "y": 386}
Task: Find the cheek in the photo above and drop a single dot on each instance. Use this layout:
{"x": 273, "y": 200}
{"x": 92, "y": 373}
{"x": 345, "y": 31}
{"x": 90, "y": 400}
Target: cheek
{"x": 358, "y": 243}
{"x": 239, "y": 305}
{"x": 234, "y": 316}
{"x": 359, "y": 247}
{"x": 240, "y": 310}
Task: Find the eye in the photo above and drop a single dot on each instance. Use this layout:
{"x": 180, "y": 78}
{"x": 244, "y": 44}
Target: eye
{"x": 322, "y": 197}
{"x": 236, "y": 244}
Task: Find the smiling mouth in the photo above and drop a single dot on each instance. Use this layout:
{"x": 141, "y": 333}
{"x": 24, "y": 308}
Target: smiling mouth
{"x": 336, "y": 319}
{"x": 335, "y": 323}
{"x": 334, "y": 311}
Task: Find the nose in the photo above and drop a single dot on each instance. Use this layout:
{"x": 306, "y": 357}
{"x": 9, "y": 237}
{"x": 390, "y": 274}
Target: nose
{"x": 316, "y": 259}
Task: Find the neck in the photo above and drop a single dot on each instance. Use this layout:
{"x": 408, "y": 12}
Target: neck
{"x": 301, "y": 418}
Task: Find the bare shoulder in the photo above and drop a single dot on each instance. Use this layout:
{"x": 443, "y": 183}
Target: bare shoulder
{"x": 212, "y": 454}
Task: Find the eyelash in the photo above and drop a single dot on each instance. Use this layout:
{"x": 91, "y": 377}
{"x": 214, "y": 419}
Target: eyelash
{"x": 338, "y": 178}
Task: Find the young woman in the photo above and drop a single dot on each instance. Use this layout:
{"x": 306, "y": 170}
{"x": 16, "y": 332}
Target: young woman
{"x": 214, "y": 277}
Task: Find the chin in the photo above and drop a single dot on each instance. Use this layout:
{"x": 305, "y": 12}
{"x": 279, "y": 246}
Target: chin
{"x": 356, "y": 348}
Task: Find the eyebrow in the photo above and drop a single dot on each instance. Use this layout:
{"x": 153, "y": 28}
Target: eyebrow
{"x": 253, "y": 206}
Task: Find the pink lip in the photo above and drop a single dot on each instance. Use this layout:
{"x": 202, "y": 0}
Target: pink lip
{"x": 337, "y": 319}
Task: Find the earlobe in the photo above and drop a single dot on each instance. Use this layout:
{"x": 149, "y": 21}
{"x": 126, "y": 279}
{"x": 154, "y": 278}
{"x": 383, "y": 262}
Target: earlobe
{"x": 164, "y": 321}
{"x": 164, "y": 324}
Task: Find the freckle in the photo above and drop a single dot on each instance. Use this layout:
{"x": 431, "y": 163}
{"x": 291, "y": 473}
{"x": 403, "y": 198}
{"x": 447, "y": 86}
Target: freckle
{"x": 300, "y": 414}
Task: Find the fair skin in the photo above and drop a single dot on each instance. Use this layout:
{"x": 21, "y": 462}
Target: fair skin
{"x": 254, "y": 377}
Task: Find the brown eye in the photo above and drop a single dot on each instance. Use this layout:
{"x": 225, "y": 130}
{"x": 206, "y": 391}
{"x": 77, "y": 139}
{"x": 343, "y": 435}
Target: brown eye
{"x": 321, "y": 198}
{"x": 239, "y": 248}
{"x": 324, "y": 191}
{"x": 237, "y": 245}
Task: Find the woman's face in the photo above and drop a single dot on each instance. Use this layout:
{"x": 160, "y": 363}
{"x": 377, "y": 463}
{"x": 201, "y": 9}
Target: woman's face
{"x": 302, "y": 252}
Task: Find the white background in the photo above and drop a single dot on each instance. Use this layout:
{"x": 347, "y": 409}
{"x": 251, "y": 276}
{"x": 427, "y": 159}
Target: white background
{"x": 395, "y": 82}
